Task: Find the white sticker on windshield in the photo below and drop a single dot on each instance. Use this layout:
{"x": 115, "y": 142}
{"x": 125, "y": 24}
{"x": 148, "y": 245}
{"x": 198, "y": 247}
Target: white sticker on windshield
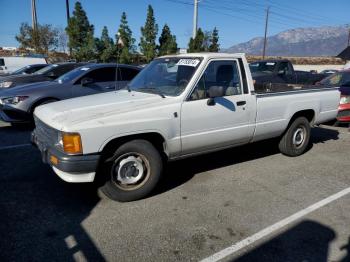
{"x": 54, "y": 65}
{"x": 84, "y": 69}
{"x": 188, "y": 62}
{"x": 270, "y": 63}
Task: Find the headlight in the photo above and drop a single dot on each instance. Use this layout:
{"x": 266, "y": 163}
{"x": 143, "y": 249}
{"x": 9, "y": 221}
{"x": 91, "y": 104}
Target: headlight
{"x": 70, "y": 143}
{"x": 345, "y": 100}
{"x": 13, "y": 100}
{"x": 6, "y": 84}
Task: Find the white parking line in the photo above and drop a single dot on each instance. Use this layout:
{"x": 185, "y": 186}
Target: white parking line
{"x": 270, "y": 229}
{"x": 14, "y": 146}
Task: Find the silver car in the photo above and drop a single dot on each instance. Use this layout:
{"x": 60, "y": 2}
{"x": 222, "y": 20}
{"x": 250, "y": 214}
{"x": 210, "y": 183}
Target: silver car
{"x": 17, "y": 104}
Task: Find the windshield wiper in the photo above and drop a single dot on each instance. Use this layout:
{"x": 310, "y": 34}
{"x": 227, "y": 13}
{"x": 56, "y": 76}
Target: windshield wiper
{"x": 153, "y": 89}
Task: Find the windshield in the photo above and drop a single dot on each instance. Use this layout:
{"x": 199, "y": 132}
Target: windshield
{"x": 45, "y": 69}
{"x": 337, "y": 79}
{"x": 264, "y": 67}
{"x": 21, "y": 70}
{"x": 166, "y": 76}
{"x": 71, "y": 75}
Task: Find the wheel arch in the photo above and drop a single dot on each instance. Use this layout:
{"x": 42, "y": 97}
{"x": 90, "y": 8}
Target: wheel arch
{"x": 40, "y": 101}
{"x": 309, "y": 114}
{"x": 155, "y": 138}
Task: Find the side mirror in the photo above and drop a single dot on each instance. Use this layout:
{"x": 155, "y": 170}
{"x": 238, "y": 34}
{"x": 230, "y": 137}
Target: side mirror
{"x": 215, "y": 91}
{"x": 86, "y": 81}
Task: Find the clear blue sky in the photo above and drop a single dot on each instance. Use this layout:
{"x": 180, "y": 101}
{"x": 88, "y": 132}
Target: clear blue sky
{"x": 237, "y": 20}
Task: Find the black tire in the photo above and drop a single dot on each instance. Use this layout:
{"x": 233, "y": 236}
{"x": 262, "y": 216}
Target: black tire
{"x": 126, "y": 164}
{"x": 295, "y": 140}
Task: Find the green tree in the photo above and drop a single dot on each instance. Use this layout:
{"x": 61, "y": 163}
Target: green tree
{"x": 105, "y": 47}
{"x": 80, "y": 35}
{"x": 125, "y": 41}
{"x": 42, "y": 40}
{"x": 214, "y": 41}
{"x": 198, "y": 43}
{"x": 148, "y": 36}
{"x": 167, "y": 42}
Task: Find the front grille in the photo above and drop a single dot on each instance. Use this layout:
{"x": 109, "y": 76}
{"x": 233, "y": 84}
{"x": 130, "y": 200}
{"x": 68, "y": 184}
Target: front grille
{"x": 344, "y": 113}
{"x": 44, "y": 133}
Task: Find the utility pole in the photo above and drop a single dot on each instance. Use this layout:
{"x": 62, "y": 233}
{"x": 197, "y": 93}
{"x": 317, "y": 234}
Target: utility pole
{"x": 34, "y": 17}
{"x": 68, "y": 17}
{"x": 67, "y": 11}
{"x": 195, "y": 19}
{"x": 266, "y": 24}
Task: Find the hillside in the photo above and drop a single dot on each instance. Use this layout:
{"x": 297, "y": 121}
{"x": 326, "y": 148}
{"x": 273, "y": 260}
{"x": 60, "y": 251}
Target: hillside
{"x": 321, "y": 41}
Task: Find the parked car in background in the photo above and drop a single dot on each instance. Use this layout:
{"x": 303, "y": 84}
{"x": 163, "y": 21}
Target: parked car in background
{"x": 9, "y": 64}
{"x": 328, "y": 72}
{"x": 47, "y": 73}
{"x": 267, "y": 72}
{"x": 341, "y": 79}
{"x": 178, "y": 106}
{"x": 17, "y": 104}
{"x": 27, "y": 70}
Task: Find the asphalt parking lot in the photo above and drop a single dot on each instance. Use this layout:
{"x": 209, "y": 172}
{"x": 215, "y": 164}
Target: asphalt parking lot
{"x": 249, "y": 204}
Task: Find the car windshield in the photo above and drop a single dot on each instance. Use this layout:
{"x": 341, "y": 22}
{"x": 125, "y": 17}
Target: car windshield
{"x": 21, "y": 70}
{"x": 166, "y": 76}
{"x": 45, "y": 69}
{"x": 264, "y": 67}
{"x": 71, "y": 75}
{"x": 337, "y": 79}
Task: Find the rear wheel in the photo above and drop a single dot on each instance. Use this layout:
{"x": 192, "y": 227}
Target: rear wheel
{"x": 134, "y": 171}
{"x": 295, "y": 140}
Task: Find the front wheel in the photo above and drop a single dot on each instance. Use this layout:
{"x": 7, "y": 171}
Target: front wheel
{"x": 295, "y": 140}
{"x": 134, "y": 171}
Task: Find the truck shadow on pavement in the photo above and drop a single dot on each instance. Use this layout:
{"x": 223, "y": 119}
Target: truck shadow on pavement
{"x": 179, "y": 172}
{"x": 306, "y": 241}
{"x": 41, "y": 216}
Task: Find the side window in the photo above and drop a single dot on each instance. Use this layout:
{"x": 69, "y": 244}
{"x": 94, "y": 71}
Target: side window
{"x": 219, "y": 73}
{"x": 284, "y": 67}
{"x": 31, "y": 70}
{"x": 106, "y": 74}
{"x": 62, "y": 69}
{"x": 2, "y": 62}
{"x": 127, "y": 74}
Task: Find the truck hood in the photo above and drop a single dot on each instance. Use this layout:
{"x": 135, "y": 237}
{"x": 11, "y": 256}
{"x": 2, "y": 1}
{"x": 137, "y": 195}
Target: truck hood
{"x": 67, "y": 114}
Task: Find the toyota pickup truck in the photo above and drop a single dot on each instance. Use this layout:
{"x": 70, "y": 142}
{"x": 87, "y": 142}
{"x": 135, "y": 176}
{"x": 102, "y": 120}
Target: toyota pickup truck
{"x": 177, "y": 107}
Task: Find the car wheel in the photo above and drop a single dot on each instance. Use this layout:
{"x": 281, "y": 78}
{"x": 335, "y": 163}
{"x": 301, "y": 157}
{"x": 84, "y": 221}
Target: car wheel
{"x": 134, "y": 171}
{"x": 296, "y": 139}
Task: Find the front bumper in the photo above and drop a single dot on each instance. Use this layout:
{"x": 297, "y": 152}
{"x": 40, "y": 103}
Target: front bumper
{"x": 12, "y": 115}
{"x": 344, "y": 113}
{"x": 70, "y": 168}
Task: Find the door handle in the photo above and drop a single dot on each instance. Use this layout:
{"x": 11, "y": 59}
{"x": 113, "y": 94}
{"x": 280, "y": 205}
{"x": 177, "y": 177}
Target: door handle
{"x": 241, "y": 103}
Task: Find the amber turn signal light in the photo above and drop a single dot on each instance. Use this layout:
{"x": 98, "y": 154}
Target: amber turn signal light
{"x": 72, "y": 143}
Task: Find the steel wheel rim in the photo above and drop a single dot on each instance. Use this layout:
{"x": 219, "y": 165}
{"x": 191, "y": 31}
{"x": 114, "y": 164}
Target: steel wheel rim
{"x": 130, "y": 171}
{"x": 299, "y": 136}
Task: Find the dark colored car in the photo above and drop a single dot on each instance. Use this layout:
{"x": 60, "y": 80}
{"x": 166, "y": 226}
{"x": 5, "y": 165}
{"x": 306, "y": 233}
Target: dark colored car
{"x": 17, "y": 104}
{"x": 48, "y": 73}
{"x": 27, "y": 70}
{"x": 267, "y": 72}
{"x": 341, "y": 79}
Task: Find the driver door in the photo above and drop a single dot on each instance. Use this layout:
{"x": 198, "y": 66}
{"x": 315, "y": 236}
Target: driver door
{"x": 229, "y": 121}
{"x": 102, "y": 80}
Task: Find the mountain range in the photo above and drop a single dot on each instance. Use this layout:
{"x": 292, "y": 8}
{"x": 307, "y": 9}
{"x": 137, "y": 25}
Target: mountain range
{"x": 312, "y": 41}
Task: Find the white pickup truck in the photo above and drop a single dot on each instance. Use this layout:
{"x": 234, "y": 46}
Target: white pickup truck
{"x": 178, "y": 106}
